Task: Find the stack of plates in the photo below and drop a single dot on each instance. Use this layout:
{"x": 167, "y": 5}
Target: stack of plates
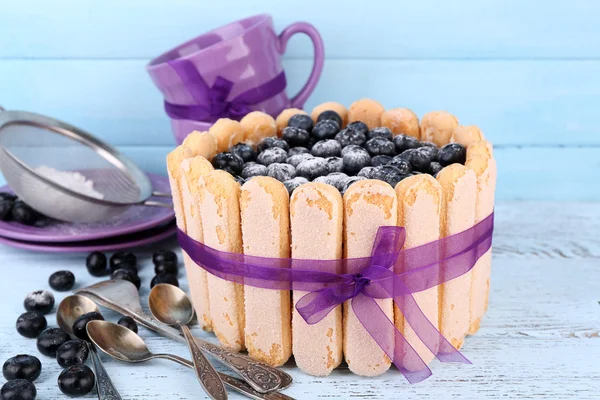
{"x": 138, "y": 226}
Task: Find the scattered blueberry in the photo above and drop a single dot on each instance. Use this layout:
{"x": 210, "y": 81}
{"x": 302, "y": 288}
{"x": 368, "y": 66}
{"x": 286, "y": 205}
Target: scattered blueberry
{"x": 330, "y": 115}
{"x": 77, "y": 380}
{"x": 405, "y": 142}
{"x": 301, "y": 121}
{"x": 253, "y": 169}
{"x": 128, "y": 323}
{"x": 123, "y": 260}
{"x": 270, "y": 142}
{"x": 403, "y": 165}
{"x": 229, "y": 162}
{"x": 73, "y": 352}
{"x": 359, "y": 126}
{"x": 272, "y": 155}
{"x": 96, "y": 264}
{"x": 312, "y": 168}
{"x": 335, "y": 164}
{"x": 350, "y": 180}
{"x": 40, "y": 301}
{"x": 281, "y": 172}
{"x": 31, "y": 324}
{"x": 355, "y": 160}
{"x": 349, "y": 137}
{"x": 453, "y": 153}
{"x": 7, "y": 196}
{"x": 380, "y": 160}
{"x": 243, "y": 151}
{"x": 50, "y": 340}
{"x": 80, "y": 324}
{"x": 327, "y": 148}
{"x": 6, "y": 206}
{"x": 418, "y": 160}
{"x": 297, "y": 150}
{"x": 380, "y": 132}
{"x": 295, "y": 160}
{"x": 434, "y": 168}
{"x": 164, "y": 256}
{"x": 126, "y": 275}
{"x": 295, "y": 136}
{"x": 62, "y": 281}
{"x": 292, "y": 184}
{"x": 164, "y": 278}
{"x": 24, "y": 214}
{"x": 367, "y": 173}
{"x": 18, "y": 389}
{"x": 167, "y": 267}
{"x": 336, "y": 179}
{"x": 326, "y": 129}
{"x": 22, "y": 366}
{"x": 380, "y": 146}
{"x": 389, "y": 174}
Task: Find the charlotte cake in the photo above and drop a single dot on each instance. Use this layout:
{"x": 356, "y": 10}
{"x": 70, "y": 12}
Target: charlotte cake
{"x": 348, "y": 171}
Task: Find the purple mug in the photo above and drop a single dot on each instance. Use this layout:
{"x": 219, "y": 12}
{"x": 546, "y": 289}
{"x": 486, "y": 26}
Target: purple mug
{"x": 229, "y": 72}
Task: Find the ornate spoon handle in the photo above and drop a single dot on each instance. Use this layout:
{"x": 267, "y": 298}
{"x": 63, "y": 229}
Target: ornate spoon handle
{"x": 104, "y": 386}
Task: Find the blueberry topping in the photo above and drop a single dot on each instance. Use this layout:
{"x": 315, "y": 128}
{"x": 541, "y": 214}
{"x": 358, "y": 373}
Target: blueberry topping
{"x": 330, "y": 115}
{"x": 359, "y": 126}
{"x": 402, "y": 164}
{"x": 295, "y": 136}
{"x": 166, "y": 267}
{"x": 73, "y": 352}
{"x": 80, "y": 324}
{"x": 128, "y": 323}
{"x": 270, "y": 142}
{"x": 24, "y": 214}
{"x": 96, "y": 264}
{"x": 164, "y": 256}
{"x": 389, "y": 174}
{"x": 326, "y": 129}
{"x": 281, "y": 172}
{"x": 453, "y": 153}
{"x": 77, "y": 380}
{"x": 427, "y": 144}
{"x": 294, "y": 151}
{"x": 31, "y": 324}
{"x": 337, "y": 180}
{"x": 367, "y": 173}
{"x": 430, "y": 152}
{"x": 22, "y": 366}
{"x": 380, "y": 160}
{"x": 62, "y": 281}
{"x": 434, "y": 168}
{"x": 6, "y": 206}
{"x": 349, "y": 137}
{"x": 229, "y": 162}
{"x": 301, "y": 121}
{"x": 335, "y": 164}
{"x": 298, "y": 158}
{"x": 18, "y": 389}
{"x": 40, "y": 301}
{"x": 355, "y": 160}
{"x": 312, "y": 168}
{"x": 380, "y": 146}
{"x": 123, "y": 259}
{"x": 272, "y": 155}
{"x": 351, "y": 147}
{"x": 326, "y": 148}
{"x": 311, "y": 142}
{"x": 292, "y": 184}
{"x": 380, "y": 132}
{"x": 350, "y": 180}
{"x": 419, "y": 160}
{"x": 243, "y": 151}
{"x": 164, "y": 278}
{"x": 127, "y": 275}
{"x": 253, "y": 169}
{"x": 405, "y": 142}
{"x": 50, "y": 340}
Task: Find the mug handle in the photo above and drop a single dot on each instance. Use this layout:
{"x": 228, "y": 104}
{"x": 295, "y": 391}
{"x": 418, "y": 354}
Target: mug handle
{"x": 319, "y": 55}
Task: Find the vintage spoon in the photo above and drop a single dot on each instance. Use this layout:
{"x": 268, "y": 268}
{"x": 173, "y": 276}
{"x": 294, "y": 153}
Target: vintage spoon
{"x": 71, "y": 308}
{"x": 170, "y": 305}
{"x": 127, "y": 346}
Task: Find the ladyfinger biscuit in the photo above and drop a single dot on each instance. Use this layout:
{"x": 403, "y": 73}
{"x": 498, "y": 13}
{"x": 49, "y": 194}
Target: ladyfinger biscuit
{"x": 174, "y": 159}
{"x": 219, "y": 202}
{"x": 316, "y": 215}
{"x": 480, "y": 148}
{"x": 368, "y": 205}
{"x": 485, "y": 170}
{"x": 227, "y": 132}
{"x": 282, "y": 119}
{"x": 459, "y": 188}
{"x": 201, "y": 144}
{"x": 419, "y": 212}
{"x": 192, "y": 169}
{"x": 366, "y": 110}
{"x": 331, "y": 106}
{"x": 437, "y": 127}
{"x": 401, "y": 121}
{"x": 257, "y": 126}
{"x": 466, "y": 135}
{"x": 265, "y": 208}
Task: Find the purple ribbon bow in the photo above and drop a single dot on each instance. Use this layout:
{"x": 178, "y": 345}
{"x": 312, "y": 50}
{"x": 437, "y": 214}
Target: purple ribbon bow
{"x": 390, "y": 273}
{"x": 211, "y": 101}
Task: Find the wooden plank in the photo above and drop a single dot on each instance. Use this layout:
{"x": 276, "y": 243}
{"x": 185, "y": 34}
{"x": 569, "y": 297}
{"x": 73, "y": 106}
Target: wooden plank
{"x": 385, "y": 29}
{"x": 514, "y": 102}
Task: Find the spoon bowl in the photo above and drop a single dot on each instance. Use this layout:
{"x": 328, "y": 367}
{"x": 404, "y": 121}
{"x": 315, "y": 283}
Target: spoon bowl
{"x": 118, "y": 342}
{"x": 170, "y": 305}
{"x": 71, "y": 308}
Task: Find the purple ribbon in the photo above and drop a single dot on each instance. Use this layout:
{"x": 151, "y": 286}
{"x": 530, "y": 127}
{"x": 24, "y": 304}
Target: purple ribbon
{"x": 211, "y": 101}
{"x": 390, "y": 273}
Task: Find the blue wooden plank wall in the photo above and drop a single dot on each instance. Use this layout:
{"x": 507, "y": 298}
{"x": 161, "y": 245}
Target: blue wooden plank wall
{"x": 526, "y": 72}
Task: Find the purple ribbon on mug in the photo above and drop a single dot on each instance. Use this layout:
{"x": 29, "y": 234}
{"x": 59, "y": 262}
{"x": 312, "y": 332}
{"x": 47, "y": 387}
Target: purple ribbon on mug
{"x": 390, "y": 273}
{"x": 211, "y": 101}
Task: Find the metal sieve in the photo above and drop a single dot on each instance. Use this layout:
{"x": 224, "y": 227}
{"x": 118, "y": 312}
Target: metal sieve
{"x": 30, "y": 144}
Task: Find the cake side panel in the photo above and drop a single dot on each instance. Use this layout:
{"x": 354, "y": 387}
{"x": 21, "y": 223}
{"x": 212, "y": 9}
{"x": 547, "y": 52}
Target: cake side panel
{"x": 316, "y": 215}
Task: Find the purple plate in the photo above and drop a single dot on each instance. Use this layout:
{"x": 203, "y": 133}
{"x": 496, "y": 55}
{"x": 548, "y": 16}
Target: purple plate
{"x": 135, "y": 219}
{"x": 111, "y": 244}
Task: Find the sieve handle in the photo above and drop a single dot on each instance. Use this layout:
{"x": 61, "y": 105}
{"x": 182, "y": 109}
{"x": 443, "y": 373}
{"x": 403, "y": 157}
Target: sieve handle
{"x": 151, "y": 203}
{"x": 161, "y": 194}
